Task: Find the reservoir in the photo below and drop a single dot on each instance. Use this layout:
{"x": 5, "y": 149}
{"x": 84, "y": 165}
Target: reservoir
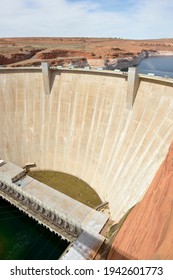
{"x": 22, "y": 238}
{"x": 159, "y": 65}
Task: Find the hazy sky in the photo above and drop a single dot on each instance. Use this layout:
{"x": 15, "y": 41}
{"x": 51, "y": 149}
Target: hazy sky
{"x": 133, "y": 19}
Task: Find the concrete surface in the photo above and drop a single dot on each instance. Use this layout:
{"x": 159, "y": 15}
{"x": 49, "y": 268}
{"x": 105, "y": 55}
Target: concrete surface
{"x": 85, "y": 247}
{"x": 89, "y": 220}
{"x": 84, "y": 128}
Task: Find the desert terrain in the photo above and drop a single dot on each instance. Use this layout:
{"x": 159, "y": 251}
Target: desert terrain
{"x": 108, "y": 53}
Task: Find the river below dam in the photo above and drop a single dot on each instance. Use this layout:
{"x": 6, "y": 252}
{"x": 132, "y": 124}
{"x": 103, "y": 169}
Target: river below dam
{"x": 22, "y": 238}
{"x": 158, "y": 65}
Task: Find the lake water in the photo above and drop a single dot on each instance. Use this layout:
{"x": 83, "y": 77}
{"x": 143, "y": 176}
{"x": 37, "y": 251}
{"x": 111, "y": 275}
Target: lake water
{"x": 159, "y": 65}
{"x": 22, "y": 238}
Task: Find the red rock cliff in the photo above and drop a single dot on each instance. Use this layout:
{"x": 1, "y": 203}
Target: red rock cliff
{"x": 147, "y": 233}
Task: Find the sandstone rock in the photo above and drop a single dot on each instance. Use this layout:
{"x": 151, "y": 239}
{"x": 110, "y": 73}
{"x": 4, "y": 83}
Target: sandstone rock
{"x": 147, "y": 233}
{"x": 60, "y": 53}
{"x": 120, "y": 53}
{"x": 10, "y": 58}
{"x": 128, "y": 60}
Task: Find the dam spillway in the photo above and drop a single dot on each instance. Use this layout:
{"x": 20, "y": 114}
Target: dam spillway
{"x": 85, "y": 128}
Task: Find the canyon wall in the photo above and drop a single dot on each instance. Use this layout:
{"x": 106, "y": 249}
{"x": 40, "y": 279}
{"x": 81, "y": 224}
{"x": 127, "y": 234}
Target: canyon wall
{"x": 147, "y": 231}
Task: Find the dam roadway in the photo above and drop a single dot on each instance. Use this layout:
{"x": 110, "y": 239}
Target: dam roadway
{"x": 81, "y": 122}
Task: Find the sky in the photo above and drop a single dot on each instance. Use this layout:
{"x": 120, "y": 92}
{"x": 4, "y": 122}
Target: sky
{"x": 128, "y": 19}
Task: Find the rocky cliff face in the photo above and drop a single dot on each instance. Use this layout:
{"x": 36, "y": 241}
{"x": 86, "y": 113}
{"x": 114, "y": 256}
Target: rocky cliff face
{"x": 147, "y": 233}
{"x": 107, "y": 53}
{"x": 10, "y": 58}
{"x": 129, "y": 61}
{"x": 58, "y": 53}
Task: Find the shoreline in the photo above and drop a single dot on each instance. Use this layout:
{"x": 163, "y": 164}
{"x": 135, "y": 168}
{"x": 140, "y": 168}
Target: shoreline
{"x": 124, "y": 63}
{"x": 165, "y": 53}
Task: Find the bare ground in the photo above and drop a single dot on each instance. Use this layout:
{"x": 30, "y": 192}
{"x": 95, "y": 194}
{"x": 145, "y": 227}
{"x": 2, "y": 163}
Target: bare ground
{"x": 82, "y": 51}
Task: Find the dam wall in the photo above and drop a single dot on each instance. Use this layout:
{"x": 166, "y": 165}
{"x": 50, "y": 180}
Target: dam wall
{"x": 85, "y": 128}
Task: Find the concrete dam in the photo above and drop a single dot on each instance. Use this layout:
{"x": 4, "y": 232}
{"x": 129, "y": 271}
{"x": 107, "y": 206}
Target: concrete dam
{"x": 108, "y": 128}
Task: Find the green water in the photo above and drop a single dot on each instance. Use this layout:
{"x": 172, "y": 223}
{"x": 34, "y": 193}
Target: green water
{"x": 21, "y": 238}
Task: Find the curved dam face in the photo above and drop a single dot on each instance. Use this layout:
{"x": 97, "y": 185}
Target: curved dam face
{"x": 83, "y": 128}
